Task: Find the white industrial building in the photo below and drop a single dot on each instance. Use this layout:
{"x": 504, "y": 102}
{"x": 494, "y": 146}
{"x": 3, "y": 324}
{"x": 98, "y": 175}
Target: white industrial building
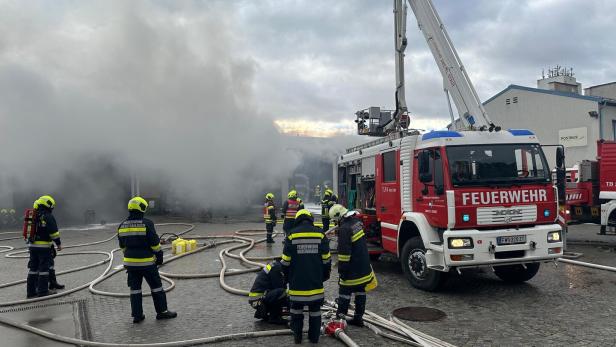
{"x": 558, "y": 113}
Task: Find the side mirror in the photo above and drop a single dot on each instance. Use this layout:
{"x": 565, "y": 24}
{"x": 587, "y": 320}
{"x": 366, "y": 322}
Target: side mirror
{"x": 560, "y": 157}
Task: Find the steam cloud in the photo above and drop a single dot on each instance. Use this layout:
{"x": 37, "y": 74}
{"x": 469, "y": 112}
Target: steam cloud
{"x": 92, "y": 91}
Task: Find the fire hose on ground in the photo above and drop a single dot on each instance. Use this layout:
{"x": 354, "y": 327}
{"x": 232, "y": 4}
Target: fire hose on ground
{"x": 400, "y": 332}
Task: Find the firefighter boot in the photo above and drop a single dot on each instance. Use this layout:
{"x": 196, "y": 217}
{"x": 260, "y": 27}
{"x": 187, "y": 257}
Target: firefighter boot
{"x": 297, "y": 325}
{"x": 344, "y": 301}
{"x": 166, "y": 315}
{"x": 32, "y": 281}
{"x": 360, "y": 308}
{"x": 53, "y": 282}
{"x": 314, "y": 326}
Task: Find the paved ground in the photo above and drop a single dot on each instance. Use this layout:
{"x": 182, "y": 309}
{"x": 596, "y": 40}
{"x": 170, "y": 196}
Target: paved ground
{"x": 562, "y": 305}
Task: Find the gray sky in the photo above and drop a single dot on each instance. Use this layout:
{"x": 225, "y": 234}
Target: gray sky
{"x": 319, "y": 59}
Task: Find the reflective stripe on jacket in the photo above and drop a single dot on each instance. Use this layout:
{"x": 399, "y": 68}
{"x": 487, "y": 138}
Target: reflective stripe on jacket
{"x": 307, "y": 261}
{"x": 139, "y": 241}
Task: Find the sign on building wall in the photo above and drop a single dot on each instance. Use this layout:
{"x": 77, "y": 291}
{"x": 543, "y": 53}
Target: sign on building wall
{"x": 574, "y": 137}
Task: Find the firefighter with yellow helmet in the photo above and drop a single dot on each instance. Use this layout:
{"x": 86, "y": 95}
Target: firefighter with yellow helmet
{"x": 142, "y": 253}
{"x": 41, "y": 249}
{"x": 354, "y": 269}
{"x": 269, "y": 215}
{"x": 306, "y": 263}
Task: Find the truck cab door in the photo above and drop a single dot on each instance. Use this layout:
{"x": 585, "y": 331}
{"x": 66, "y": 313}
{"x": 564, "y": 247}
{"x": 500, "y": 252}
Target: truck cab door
{"x": 388, "y": 189}
{"x": 429, "y": 186}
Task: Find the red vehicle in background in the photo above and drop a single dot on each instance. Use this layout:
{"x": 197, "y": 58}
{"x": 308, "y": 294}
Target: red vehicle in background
{"x": 591, "y": 189}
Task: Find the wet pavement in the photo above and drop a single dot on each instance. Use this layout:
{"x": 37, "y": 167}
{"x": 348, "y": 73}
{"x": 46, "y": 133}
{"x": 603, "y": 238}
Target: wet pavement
{"x": 562, "y": 305}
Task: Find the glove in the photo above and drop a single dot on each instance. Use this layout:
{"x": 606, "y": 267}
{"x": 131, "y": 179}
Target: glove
{"x": 159, "y": 258}
{"x": 53, "y": 252}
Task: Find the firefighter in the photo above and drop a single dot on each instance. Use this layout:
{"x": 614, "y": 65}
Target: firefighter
{"x": 317, "y": 193}
{"x": 142, "y": 253}
{"x": 268, "y": 294}
{"x": 40, "y": 246}
{"x": 356, "y": 275}
{"x": 289, "y": 209}
{"x": 329, "y": 200}
{"x": 307, "y": 264}
{"x": 269, "y": 214}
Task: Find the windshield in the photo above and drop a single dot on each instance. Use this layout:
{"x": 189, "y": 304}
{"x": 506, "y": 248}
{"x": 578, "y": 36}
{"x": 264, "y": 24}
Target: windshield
{"x": 498, "y": 164}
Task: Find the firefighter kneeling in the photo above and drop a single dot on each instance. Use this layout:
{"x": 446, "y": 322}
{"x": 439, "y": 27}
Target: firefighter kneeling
{"x": 356, "y": 275}
{"x": 268, "y": 294}
{"x": 307, "y": 264}
{"x": 142, "y": 254}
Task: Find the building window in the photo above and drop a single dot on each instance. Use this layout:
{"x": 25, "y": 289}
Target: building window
{"x": 508, "y": 101}
{"x": 389, "y": 166}
{"x": 515, "y": 99}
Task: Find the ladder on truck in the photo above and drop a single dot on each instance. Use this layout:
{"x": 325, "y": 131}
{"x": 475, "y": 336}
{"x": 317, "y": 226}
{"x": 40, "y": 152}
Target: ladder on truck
{"x": 456, "y": 82}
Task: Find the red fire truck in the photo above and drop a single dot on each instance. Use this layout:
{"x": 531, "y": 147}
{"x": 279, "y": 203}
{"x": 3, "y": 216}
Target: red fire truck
{"x": 470, "y": 196}
{"x": 591, "y": 188}
{"x": 455, "y": 199}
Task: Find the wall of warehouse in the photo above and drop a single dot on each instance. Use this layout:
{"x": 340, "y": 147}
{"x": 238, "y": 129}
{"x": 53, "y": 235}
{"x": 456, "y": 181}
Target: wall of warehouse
{"x": 546, "y": 114}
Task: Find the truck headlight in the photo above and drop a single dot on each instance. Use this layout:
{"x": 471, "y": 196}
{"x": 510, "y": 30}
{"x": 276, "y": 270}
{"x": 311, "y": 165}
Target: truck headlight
{"x": 554, "y": 236}
{"x": 464, "y": 242}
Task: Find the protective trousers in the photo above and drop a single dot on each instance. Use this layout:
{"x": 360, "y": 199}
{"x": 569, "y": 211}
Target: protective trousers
{"x": 314, "y": 319}
{"x": 151, "y": 275}
{"x": 325, "y": 224}
{"x": 38, "y": 276}
{"x": 270, "y": 230}
{"x": 344, "y": 299}
{"x": 274, "y": 300}
{"x": 287, "y": 226}
{"x": 52, "y": 270}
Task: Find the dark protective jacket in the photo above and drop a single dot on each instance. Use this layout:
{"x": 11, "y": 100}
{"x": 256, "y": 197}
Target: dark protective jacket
{"x": 306, "y": 261}
{"x": 139, "y": 241}
{"x": 290, "y": 208}
{"x": 327, "y": 203}
{"x": 271, "y": 277}
{"x": 46, "y": 229}
{"x": 353, "y": 258}
{"x": 269, "y": 212}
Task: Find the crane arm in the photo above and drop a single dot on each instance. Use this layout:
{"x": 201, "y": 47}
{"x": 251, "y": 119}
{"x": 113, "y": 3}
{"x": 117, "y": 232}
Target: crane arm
{"x": 455, "y": 79}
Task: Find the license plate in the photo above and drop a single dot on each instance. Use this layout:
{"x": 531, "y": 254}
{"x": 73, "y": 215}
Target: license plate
{"x": 511, "y": 240}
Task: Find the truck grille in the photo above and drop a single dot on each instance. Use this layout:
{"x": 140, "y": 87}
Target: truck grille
{"x": 506, "y": 215}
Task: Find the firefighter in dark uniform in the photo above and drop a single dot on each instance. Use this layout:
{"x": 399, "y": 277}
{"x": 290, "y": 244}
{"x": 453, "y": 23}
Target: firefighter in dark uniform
{"x": 269, "y": 215}
{"x": 353, "y": 263}
{"x": 329, "y": 200}
{"x": 142, "y": 254}
{"x": 289, "y": 209}
{"x": 268, "y": 294}
{"x": 40, "y": 246}
{"x": 307, "y": 264}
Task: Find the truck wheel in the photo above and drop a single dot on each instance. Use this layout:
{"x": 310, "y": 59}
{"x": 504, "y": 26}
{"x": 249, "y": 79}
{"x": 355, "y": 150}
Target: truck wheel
{"x": 415, "y": 267}
{"x": 516, "y": 273}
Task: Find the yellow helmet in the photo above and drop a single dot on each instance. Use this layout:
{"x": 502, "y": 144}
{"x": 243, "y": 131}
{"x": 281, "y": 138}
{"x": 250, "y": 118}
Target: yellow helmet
{"x": 137, "y": 204}
{"x": 336, "y": 212}
{"x": 46, "y": 201}
{"x": 303, "y": 212}
{"x": 4, "y": 211}
{"x": 292, "y": 194}
{"x": 329, "y": 191}
{"x": 269, "y": 196}
{"x": 12, "y": 211}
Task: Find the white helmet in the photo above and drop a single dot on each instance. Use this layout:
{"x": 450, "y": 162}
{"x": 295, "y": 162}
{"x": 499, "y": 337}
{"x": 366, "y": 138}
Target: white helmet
{"x": 336, "y": 212}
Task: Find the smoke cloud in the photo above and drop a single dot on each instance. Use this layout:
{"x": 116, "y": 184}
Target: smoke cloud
{"x": 93, "y": 91}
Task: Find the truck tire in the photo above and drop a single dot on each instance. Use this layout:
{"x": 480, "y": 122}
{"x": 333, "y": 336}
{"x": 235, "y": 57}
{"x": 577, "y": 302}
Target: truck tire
{"x": 415, "y": 268}
{"x": 516, "y": 273}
